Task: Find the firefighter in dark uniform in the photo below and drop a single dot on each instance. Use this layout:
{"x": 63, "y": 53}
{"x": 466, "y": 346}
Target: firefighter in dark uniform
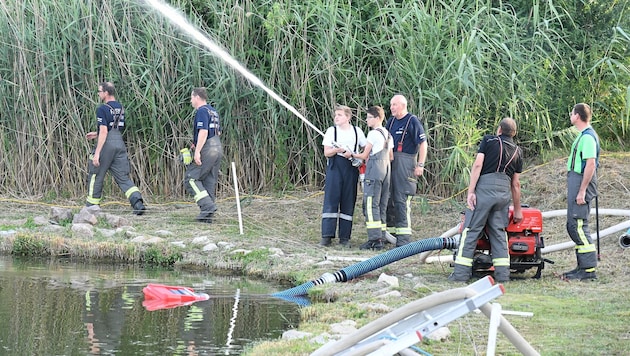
{"x": 203, "y": 173}
{"x": 581, "y": 189}
{"x": 340, "y": 190}
{"x": 494, "y": 179}
{"x": 110, "y": 153}
{"x": 378, "y": 155}
{"x": 410, "y": 153}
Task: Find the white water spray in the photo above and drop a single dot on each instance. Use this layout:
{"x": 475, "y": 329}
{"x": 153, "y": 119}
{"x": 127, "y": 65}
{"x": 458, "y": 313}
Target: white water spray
{"x": 179, "y": 20}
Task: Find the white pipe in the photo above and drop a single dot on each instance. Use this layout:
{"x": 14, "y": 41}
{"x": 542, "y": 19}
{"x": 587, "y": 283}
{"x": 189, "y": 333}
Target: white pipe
{"x": 238, "y": 200}
{"x": 566, "y": 245}
{"x": 511, "y": 333}
{"x": 495, "y": 321}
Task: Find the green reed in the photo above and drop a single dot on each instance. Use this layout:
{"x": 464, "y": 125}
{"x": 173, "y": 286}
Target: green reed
{"x": 463, "y": 66}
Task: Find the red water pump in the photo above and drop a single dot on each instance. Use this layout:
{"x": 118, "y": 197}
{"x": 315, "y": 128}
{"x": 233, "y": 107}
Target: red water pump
{"x": 524, "y": 245}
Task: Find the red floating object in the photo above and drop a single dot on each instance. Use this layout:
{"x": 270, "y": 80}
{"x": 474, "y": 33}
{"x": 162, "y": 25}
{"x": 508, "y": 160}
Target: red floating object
{"x": 160, "y": 296}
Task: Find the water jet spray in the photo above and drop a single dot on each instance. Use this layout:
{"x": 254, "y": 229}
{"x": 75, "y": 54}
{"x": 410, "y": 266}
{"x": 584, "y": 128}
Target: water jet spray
{"x": 176, "y": 18}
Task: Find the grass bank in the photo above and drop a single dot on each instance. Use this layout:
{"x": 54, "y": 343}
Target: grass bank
{"x": 576, "y": 318}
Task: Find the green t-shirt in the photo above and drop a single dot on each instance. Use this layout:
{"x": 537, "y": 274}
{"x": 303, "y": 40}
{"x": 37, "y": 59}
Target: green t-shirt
{"x": 586, "y": 148}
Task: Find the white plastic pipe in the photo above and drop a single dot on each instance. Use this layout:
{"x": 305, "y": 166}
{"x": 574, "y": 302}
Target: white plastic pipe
{"x": 495, "y": 321}
{"x": 238, "y": 200}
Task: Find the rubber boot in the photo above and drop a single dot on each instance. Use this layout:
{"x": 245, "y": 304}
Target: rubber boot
{"x": 461, "y": 273}
{"x": 205, "y": 214}
{"x": 137, "y": 203}
{"x": 402, "y": 240}
{"x": 326, "y": 241}
{"x": 502, "y": 274}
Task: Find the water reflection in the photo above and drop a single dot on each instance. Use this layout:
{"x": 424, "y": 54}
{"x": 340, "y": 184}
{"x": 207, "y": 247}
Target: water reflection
{"x": 64, "y": 308}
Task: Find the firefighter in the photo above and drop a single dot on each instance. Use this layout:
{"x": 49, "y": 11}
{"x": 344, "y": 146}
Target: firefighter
{"x": 581, "y": 189}
{"x": 378, "y": 155}
{"x": 410, "y": 153}
{"x": 494, "y": 179}
{"x": 340, "y": 190}
{"x": 110, "y": 153}
{"x": 203, "y": 173}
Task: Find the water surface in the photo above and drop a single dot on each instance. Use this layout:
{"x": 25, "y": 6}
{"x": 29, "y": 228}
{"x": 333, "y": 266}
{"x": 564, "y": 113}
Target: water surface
{"x": 60, "y": 307}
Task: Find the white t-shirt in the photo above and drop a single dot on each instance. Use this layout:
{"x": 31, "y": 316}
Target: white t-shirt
{"x": 345, "y": 138}
{"x": 377, "y": 140}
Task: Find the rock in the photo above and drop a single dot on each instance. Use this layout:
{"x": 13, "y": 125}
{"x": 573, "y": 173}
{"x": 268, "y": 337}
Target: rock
{"x": 83, "y": 230}
{"x": 276, "y": 251}
{"x": 164, "y": 233}
{"x": 41, "y": 221}
{"x": 392, "y": 294}
{"x": 60, "y": 214}
{"x": 106, "y": 232}
{"x": 441, "y": 334}
{"x": 376, "y": 307}
{"x": 179, "y": 244}
{"x": 115, "y": 220}
{"x": 200, "y": 240}
{"x": 210, "y": 247}
{"x": 225, "y": 245}
{"x": 294, "y": 334}
{"x": 85, "y": 216}
{"x": 389, "y": 280}
{"x": 344, "y": 328}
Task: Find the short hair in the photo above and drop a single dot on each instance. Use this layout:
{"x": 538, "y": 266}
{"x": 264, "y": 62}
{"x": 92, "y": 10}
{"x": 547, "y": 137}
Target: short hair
{"x": 508, "y": 127}
{"x": 108, "y": 87}
{"x": 346, "y": 110}
{"x": 200, "y": 92}
{"x": 377, "y": 112}
{"x": 584, "y": 111}
{"x": 401, "y": 99}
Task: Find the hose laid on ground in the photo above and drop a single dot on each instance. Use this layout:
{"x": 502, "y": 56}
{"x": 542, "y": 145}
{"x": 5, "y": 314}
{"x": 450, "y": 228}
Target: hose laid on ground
{"x": 358, "y": 269}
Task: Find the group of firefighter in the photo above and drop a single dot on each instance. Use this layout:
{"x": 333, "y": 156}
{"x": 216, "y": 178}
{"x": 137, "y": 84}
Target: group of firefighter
{"x": 394, "y": 156}
{"x": 202, "y": 159}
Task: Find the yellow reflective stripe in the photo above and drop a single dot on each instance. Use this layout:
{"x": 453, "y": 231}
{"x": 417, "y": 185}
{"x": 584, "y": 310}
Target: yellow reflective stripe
{"x": 131, "y": 191}
{"x": 373, "y": 225}
{"x": 586, "y": 246}
{"x": 464, "y": 261}
{"x": 201, "y": 195}
{"x": 501, "y": 261}
{"x": 90, "y": 199}
{"x": 391, "y": 229}
{"x": 403, "y": 231}
{"x": 368, "y": 209}
{"x": 94, "y": 201}
{"x": 408, "y": 210}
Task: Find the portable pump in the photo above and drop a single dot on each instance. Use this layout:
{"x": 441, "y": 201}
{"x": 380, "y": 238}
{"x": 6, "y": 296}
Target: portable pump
{"x": 525, "y": 243}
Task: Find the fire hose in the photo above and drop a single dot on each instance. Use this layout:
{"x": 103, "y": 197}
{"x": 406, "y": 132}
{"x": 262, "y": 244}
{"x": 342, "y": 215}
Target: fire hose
{"x": 360, "y": 268}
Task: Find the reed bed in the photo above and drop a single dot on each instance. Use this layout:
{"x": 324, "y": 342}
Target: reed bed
{"x": 463, "y": 65}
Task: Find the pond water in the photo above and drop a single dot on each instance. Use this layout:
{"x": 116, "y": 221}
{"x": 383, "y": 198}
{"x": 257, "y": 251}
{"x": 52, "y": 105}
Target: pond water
{"x": 60, "y": 307}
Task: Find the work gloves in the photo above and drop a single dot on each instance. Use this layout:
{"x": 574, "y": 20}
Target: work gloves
{"x": 185, "y": 156}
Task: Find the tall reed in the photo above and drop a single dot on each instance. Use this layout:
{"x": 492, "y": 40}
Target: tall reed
{"x": 463, "y": 65}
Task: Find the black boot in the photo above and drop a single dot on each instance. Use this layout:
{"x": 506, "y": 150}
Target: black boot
{"x": 138, "y": 205}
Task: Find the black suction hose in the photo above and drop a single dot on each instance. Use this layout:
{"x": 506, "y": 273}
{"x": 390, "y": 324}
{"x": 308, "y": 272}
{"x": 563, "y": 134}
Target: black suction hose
{"x": 358, "y": 269}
